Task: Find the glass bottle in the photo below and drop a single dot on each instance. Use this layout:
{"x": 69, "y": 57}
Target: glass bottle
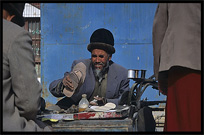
{"x": 83, "y": 103}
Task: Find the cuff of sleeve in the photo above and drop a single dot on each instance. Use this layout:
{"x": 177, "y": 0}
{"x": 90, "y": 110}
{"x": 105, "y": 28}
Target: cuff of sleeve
{"x": 60, "y": 88}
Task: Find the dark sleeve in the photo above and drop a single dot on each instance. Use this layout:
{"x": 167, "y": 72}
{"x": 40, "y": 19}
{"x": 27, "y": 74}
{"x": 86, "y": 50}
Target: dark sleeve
{"x": 124, "y": 86}
{"x": 56, "y": 87}
{"x": 122, "y": 83}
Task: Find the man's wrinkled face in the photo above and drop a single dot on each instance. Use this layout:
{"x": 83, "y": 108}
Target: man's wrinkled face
{"x": 99, "y": 58}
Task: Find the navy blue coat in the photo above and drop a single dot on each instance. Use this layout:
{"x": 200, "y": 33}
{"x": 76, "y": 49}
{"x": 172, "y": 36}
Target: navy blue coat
{"x": 117, "y": 82}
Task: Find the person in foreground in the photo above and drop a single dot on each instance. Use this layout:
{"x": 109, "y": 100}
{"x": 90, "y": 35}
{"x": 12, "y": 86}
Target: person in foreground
{"x": 177, "y": 63}
{"x": 21, "y": 89}
{"x": 101, "y": 79}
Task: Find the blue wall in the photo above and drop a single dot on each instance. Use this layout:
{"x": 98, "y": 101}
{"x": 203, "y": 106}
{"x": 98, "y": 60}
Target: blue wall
{"x": 66, "y": 29}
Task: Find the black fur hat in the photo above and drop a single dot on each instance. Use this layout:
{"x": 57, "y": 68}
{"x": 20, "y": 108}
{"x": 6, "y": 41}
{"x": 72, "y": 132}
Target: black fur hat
{"x": 17, "y": 10}
{"x": 102, "y": 39}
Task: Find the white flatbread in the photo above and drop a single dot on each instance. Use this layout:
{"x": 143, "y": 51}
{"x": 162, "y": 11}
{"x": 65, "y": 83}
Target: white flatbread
{"x": 104, "y": 108}
{"x": 110, "y": 105}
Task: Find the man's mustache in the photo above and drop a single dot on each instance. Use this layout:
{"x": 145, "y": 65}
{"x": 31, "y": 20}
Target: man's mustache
{"x": 99, "y": 63}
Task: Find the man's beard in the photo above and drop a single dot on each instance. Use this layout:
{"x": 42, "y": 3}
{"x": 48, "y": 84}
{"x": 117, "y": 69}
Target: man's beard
{"x": 100, "y": 72}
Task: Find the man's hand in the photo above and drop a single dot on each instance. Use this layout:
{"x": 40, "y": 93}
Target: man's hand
{"x": 163, "y": 82}
{"x": 98, "y": 101}
{"x": 71, "y": 83}
{"x": 67, "y": 82}
{"x": 162, "y": 87}
{"x": 74, "y": 79}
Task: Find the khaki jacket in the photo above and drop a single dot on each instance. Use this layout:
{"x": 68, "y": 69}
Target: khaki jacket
{"x": 177, "y": 36}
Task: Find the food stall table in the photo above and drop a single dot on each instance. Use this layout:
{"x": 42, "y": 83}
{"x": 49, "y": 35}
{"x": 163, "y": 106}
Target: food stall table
{"x": 113, "y": 121}
{"x": 102, "y": 125}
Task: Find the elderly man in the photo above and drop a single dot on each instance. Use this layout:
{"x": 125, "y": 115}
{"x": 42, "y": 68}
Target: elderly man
{"x": 104, "y": 80}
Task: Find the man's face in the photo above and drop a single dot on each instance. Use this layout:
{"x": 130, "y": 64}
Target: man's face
{"x": 99, "y": 58}
{"x": 7, "y": 16}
